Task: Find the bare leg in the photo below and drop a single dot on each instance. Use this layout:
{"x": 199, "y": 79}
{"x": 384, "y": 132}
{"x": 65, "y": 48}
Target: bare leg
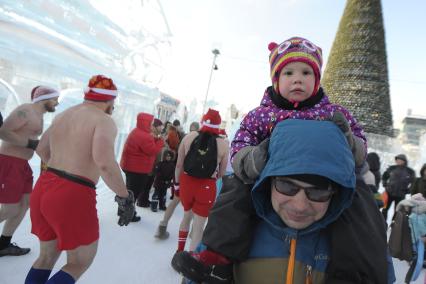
{"x": 16, "y": 213}
{"x": 170, "y": 210}
{"x": 80, "y": 259}
{"x": 197, "y": 231}
{"x": 186, "y": 221}
{"x": 49, "y": 254}
{"x": 8, "y": 211}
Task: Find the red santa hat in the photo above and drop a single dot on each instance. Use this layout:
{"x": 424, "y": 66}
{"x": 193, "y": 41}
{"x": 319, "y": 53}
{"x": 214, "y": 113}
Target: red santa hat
{"x": 100, "y": 88}
{"x": 211, "y": 122}
{"x": 41, "y": 93}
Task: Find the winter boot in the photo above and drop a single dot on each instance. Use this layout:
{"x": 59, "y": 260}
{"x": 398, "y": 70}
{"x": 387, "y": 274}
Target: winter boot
{"x": 13, "y": 249}
{"x": 162, "y": 233}
{"x": 210, "y": 268}
{"x": 154, "y": 205}
{"x": 162, "y": 204}
{"x": 143, "y": 204}
{"x": 135, "y": 218}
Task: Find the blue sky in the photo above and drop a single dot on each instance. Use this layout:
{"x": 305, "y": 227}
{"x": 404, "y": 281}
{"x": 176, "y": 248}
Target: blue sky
{"x": 242, "y": 29}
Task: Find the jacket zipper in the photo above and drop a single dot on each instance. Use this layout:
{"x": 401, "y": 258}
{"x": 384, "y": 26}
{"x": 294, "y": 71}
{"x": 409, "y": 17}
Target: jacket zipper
{"x": 308, "y": 278}
{"x": 291, "y": 262}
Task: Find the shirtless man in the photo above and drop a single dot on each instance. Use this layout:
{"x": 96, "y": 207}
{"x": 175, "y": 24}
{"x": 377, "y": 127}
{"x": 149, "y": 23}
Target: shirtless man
{"x": 198, "y": 194}
{"x": 78, "y": 148}
{"x": 19, "y": 135}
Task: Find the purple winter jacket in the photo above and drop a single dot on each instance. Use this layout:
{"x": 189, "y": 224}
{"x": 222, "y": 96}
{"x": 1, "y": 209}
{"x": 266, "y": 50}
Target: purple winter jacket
{"x": 258, "y": 124}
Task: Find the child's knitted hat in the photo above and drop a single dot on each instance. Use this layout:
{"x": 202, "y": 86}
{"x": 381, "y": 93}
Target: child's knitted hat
{"x": 295, "y": 49}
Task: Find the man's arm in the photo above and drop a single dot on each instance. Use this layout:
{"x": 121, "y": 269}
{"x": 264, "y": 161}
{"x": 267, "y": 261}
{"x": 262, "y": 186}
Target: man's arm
{"x": 15, "y": 121}
{"x": 180, "y": 159}
{"x": 43, "y": 148}
{"x": 386, "y": 175}
{"x": 104, "y": 158}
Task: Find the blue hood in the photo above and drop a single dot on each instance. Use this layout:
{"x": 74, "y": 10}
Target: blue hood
{"x": 306, "y": 147}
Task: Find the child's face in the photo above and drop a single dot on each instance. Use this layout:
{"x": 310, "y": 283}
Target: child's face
{"x": 296, "y": 82}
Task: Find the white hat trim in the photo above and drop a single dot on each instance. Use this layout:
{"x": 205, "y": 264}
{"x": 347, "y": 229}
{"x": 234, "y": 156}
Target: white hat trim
{"x": 101, "y": 91}
{"x": 210, "y": 125}
{"x": 46, "y": 97}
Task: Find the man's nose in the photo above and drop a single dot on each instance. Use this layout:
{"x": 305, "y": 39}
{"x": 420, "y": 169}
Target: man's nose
{"x": 297, "y": 79}
{"x": 300, "y": 201}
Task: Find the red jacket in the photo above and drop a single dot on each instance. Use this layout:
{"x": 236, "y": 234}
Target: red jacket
{"x": 141, "y": 148}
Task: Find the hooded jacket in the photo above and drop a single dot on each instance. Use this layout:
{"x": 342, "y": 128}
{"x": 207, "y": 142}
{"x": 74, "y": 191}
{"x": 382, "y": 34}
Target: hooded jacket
{"x": 292, "y": 151}
{"x": 141, "y": 148}
{"x": 258, "y": 124}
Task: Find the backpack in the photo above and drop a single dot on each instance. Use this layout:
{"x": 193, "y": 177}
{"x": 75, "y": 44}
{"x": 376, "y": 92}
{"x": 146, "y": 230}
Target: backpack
{"x": 400, "y": 242}
{"x": 201, "y": 159}
{"x": 398, "y": 182}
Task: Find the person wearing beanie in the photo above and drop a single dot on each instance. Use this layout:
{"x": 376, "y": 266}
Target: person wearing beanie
{"x": 295, "y": 93}
{"x": 194, "y": 126}
{"x": 397, "y": 180}
{"x": 197, "y": 188}
{"x": 19, "y": 138}
{"x": 78, "y": 149}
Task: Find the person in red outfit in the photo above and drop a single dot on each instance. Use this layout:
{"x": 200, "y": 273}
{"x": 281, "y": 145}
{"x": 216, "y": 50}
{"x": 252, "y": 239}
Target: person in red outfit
{"x": 138, "y": 157}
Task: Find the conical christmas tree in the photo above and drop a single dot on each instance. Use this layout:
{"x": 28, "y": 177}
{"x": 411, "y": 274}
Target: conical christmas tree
{"x": 356, "y": 75}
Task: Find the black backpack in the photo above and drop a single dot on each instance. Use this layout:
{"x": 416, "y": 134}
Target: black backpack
{"x": 201, "y": 159}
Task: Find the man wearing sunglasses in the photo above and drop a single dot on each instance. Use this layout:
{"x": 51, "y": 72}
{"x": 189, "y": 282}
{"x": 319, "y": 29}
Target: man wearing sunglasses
{"x": 307, "y": 183}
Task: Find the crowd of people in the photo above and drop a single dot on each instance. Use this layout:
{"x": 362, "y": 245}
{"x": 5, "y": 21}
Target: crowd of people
{"x": 303, "y": 184}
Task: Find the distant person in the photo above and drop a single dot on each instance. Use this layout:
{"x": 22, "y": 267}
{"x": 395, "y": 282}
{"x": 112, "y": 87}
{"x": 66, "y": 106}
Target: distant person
{"x": 157, "y": 129}
{"x": 165, "y": 128}
{"x": 19, "y": 134}
{"x": 164, "y": 173}
{"x": 1, "y": 120}
{"x": 295, "y": 93}
{"x": 194, "y": 126}
{"x": 370, "y": 181}
{"x": 201, "y": 160}
{"x": 138, "y": 157}
{"x": 397, "y": 180}
{"x": 373, "y": 161}
{"x": 419, "y": 185}
{"x": 181, "y": 133}
{"x": 173, "y": 138}
{"x": 78, "y": 148}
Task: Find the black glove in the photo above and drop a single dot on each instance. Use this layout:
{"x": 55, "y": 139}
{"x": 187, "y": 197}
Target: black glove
{"x": 126, "y": 207}
{"x": 249, "y": 162}
{"x": 355, "y": 143}
{"x": 32, "y": 144}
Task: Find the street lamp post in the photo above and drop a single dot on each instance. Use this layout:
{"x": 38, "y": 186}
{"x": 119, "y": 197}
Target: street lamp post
{"x": 214, "y": 67}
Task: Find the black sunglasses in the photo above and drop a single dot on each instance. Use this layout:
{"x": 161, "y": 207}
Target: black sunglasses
{"x": 313, "y": 193}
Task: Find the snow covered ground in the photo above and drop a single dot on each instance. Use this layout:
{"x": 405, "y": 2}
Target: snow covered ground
{"x": 126, "y": 255}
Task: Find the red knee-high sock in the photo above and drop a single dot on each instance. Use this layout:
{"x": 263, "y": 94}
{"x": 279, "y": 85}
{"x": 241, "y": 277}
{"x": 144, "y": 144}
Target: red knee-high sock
{"x": 182, "y": 240}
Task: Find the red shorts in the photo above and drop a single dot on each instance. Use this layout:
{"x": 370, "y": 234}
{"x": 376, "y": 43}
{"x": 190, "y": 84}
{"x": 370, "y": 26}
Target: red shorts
{"x": 197, "y": 194}
{"x": 64, "y": 210}
{"x": 16, "y": 179}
